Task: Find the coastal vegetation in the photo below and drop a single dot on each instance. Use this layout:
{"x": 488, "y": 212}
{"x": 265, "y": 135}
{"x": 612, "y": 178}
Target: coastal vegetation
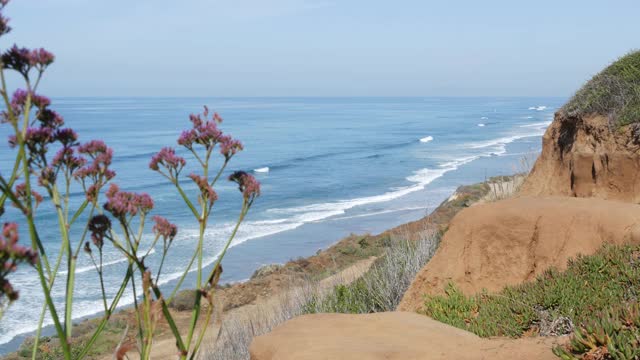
{"x": 49, "y": 157}
{"x": 382, "y": 287}
{"x": 614, "y": 92}
{"x": 596, "y": 296}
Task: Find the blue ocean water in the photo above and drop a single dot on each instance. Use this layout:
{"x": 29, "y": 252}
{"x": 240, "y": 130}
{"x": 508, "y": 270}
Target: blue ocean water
{"x": 328, "y": 167}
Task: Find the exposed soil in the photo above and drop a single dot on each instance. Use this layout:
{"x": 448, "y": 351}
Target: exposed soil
{"x": 587, "y": 157}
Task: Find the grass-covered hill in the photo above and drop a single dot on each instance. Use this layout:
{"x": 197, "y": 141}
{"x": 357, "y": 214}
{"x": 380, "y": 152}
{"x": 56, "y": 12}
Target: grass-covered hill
{"x": 614, "y": 92}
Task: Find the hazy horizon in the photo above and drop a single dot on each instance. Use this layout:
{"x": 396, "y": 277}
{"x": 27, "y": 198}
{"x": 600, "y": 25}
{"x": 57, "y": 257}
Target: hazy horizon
{"x": 282, "y": 48}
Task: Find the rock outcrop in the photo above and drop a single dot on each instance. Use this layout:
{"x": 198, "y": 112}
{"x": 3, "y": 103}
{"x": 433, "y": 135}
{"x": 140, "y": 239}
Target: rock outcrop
{"x": 492, "y": 245}
{"x": 388, "y": 336}
{"x": 587, "y": 157}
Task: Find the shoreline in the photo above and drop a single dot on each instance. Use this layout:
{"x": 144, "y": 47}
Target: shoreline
{"x": 278, "y": 241}
{"x": 332, "y": 229}
{"x": 263, "y": 286}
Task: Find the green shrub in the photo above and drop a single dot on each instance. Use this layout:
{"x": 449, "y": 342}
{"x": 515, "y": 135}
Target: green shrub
{"x": 614, "y": 334}
{"x": 614, "y": 92}
{"x": 590, "y": 284}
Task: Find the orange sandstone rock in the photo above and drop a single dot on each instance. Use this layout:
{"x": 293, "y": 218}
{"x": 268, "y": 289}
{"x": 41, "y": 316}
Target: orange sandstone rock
{"x": 492, "y": 245}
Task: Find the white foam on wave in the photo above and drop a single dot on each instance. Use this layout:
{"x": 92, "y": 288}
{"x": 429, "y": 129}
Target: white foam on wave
{"x": 543, "y": 124}
{"x": 317, "y": 212}
{"x": 81, "y": 309}
{"x": 538, "y": 108}
{"x": 498, "y": 147}
{"x": 262, "y": 170}
{"x": 105, "y": 264}
{"x": 484, "y": 118}
{"x": 426, "y": 139}
{"x": 481, "y": 125}
{"x": 376, "y": 213}
{"x": 248, "y": 230}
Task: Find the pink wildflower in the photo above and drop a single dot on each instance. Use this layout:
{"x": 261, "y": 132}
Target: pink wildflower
{"x": 206, "y": 191}
{"x": 168, "y": 159}
{"x": 229, "y": 146}
{"x": 247, "y": 184}
{"x": 11, "y": 255}
{"x": 122, "y": 203}
{"x": 164, "y": 228}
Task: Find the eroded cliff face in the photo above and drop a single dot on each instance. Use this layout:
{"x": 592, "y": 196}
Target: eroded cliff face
{"x": 493, "y": 245}
{"x": 587, "y": 157}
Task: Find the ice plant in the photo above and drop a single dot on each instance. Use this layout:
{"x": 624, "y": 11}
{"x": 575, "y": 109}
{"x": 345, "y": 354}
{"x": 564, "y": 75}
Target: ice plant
{"x": 50, "y": 156}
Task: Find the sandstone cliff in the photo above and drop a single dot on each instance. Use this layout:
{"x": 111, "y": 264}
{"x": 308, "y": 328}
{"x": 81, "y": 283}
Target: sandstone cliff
{"x": 492, "y": 245}
{"x": 587, "y": 157}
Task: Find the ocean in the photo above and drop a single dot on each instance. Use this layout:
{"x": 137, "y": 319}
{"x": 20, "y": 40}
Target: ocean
{"x": 328, "y": 167}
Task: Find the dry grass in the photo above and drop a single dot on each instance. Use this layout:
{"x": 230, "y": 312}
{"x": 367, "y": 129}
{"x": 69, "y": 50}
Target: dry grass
{"x": 504, "y": 187}
{"x": 383, "y": 280}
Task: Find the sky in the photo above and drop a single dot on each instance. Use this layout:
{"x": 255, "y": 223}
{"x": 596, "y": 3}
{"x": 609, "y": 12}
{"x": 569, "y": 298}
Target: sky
{"x": 323, "y": 47}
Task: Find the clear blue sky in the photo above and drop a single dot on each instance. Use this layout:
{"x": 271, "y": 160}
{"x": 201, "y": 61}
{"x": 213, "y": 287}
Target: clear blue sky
{"x": 324, "y": 47}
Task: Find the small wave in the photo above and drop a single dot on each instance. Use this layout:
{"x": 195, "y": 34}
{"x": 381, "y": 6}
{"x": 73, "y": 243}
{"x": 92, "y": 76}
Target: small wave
{"x": 481, "y": 125}
{"x": 249, "y": 230}
{"x": 262, "y": 170}
{"x": 426, "y": 139}
{"x": 377, "y": 213}
{"x": 420, "y": 179}
{"x": 538, "y": 108}
{"x": 484, "y": 118}
{"x": 543, "y": 124}
{"x": 498, "y": 146}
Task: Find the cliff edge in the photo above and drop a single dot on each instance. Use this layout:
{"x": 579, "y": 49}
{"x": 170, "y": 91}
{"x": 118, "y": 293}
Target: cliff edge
{"x": 591, "y": 147}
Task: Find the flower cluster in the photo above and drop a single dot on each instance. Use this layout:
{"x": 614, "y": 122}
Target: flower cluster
{"x": 164, "y": 228}
{"x": 99, "y": 227}
{"x": 207, "y": 194}
{"x": 206, "y": 133}
{"x": 38, "y": 138}
{"x": 4, "y": 22}
{"x": 11, "y": 255}
{"x": 97, "y": 171}
{"x": 123, "y": 203}
{"x": 229, "y": 146}
{"x": 168, "y": 159}
{"x": 46, "y": 116}
{"x": 66, "y": 157}
{"x": 23, "y": 60}
{"x": 21, "y": 194}
{"x": 247, "y": 184}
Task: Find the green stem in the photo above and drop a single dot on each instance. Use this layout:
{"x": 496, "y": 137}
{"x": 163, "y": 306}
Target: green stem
{"x": 36, "y": 243}
{"x": 201, "y": 335}
{"x": 196, "y": 310}
{"x": 12, "y": 180}
{"x": 164, "y": 255}
{"x": 170, "y": 321}
{"x": 186, "y": 200}
{"x": 182, "y": 277}
{"x": 71, "y": 261}
{"x": 107, "y": 315}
